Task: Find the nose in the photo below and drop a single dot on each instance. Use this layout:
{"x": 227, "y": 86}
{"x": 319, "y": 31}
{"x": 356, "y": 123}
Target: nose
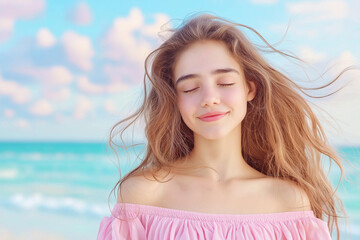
{"x": 210, "y": 97}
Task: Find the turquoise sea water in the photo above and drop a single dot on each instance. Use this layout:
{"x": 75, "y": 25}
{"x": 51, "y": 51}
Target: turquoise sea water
{"x": 60, "y": 190}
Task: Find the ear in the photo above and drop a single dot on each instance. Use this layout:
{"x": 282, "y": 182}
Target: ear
{"x": 251, "y": 90}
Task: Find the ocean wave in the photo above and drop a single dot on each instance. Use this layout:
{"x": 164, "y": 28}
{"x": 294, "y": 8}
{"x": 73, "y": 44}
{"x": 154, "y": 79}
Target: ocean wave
{"x": 56, "y": 156}
{"x": 10, "y": 173}
{"x": 63, "y": 205}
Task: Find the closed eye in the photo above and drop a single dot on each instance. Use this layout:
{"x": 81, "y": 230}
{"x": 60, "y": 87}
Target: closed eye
{"x": 224, "y": 85}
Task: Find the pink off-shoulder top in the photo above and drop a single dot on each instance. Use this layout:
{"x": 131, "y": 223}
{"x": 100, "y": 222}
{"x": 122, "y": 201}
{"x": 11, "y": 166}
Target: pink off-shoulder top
{"x": 157, "y": 223}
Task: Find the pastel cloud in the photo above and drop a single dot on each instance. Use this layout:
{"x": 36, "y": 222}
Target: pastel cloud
{"x": 9, "y": 113}
{"x": 6, "y": 28}
{"x": 44, "y": 38}
{"x": 58, "y": 95}
{"x": 22, "y": 123}
{"x": 311, "y": 56}
{"x": 109, "y": 106}
{"x": 55, "y": 75}
{"x": 152, "y": 30}
{"x": 18, "y": 93}
{"x": 343, "y": 106}
{"x": 323, "y": 10}
{"x": 88, "y": 87}
{"x": 81, "y": 14}
{"x": 120, "y": 42}
{"x": 127, "y": 72}
{"x": 82, "y": 107}
{"x": 42, "y": 108}
{"x": 78, "y": 49}
{"x": 11, "y": 10}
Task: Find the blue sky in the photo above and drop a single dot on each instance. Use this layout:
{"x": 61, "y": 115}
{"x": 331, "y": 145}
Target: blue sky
{"x": 70, "y": 69}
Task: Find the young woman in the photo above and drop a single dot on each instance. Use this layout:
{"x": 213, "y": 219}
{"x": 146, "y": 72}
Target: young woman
{"x": 233, "y": 148}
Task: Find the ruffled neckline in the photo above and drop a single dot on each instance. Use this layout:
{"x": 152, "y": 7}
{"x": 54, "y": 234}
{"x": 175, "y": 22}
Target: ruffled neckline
{"x": 193, "y": 215}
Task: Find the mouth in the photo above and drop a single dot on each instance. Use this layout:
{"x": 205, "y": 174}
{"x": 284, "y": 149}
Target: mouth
{"x": 213, "y": 117}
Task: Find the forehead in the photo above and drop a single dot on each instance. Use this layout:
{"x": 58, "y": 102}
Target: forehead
{"x": 203, "y": 57}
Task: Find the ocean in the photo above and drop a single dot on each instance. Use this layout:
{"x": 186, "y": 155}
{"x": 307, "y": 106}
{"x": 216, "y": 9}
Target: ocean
{"x": 58, "y": 190}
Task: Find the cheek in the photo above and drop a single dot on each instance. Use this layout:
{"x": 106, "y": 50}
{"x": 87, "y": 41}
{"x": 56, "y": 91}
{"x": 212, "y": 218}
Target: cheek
{"x": 186, "y": 107}
{"x": 234, "y": 98}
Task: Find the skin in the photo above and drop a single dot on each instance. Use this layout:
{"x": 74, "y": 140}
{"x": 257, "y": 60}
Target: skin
{"x": 230, "y": 185}
{"x": 217, "y": 144}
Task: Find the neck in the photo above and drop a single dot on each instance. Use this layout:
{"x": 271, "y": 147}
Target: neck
{"x": 222, "y": 155}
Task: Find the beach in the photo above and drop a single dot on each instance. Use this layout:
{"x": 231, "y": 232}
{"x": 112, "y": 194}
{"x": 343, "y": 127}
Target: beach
{"x": 60, "y": 190}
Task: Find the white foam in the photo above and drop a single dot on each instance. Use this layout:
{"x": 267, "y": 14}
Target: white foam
{"x": 10, "y": 173}
{"x": 71, "y": 205}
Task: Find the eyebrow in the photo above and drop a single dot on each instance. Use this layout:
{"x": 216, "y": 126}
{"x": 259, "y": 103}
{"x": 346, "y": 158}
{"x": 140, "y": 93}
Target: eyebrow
{"x": 217, "y": 71}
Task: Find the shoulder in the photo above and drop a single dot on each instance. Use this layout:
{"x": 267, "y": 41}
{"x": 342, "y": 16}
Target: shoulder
{"x": 290, "y": 196}
{"x": 140, "y": 189}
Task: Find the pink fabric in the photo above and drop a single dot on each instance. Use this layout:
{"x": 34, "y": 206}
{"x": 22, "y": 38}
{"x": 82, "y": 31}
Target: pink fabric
{"x": 156, "y": 223}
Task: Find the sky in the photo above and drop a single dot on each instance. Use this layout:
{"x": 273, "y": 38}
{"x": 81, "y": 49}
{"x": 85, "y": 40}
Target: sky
{"x": 69, "y": 70}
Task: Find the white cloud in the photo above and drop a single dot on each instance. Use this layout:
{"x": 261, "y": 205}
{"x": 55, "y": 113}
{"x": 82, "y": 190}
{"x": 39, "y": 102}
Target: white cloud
{"x": 264, "y": 1}
{"x": 42, "y": 108}
{"x": 11, "y": 10}
{"x": 343, "y": 106}
{"x": 6, "y": 28}
{"x": 109, "y": 106}
{"x": 58, "y": 95}
{"x": 113, "y": 87}
{"x": 44, "y": 38}
{"x": 83, "y": 107}
{"x": 346, "y": 59}
{"x": 86, "y": 86}
{"x": 12, "y": 89}
{"x": 55, "y": 75}
{"x": 81, "y": 14}
{"x": 311, "y": 56}
{"x": 323, "y": 10}
{"x": 152, "y": 30}
{"x": 22, "y": 123}
{"x": 79, "y": 49}
{"x": 120, "y": 42}
{"x": 116, "y": 87}
{"x": 9, "y": 113}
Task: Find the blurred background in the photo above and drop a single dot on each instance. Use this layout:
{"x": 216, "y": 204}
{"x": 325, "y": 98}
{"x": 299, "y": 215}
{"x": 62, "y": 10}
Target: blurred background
{"x": 69, "y": 70}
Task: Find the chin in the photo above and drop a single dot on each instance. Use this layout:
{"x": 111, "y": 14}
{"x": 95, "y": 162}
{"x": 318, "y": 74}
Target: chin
{"x": 212, "y": 136}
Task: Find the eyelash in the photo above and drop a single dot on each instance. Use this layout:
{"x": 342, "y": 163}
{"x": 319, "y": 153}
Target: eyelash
{"x": 224, "y": 85}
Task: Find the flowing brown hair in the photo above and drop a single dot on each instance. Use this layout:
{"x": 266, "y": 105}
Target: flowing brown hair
{"x": 281, "y": 135}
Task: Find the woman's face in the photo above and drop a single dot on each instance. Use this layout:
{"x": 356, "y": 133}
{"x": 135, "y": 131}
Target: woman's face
{"x": 208, "y": 79}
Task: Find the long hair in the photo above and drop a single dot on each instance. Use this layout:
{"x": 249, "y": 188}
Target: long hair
{"x": 281, "y": 136}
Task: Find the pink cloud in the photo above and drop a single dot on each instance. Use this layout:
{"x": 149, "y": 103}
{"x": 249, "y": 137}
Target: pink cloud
{"x": 44, "y": 38}
{"x": 126, "y": 72}
{"x": 11, "y": 10}
{"x": 55, "y": 75}
{"x": 12, "y": 89}
{"x": 83, "y": 107}
{"x": 9, "y": 113}
{"x": 78, "y": 49}
{"x": 313, "y": 11}
{"x": 57, "y": 95}
{"x": 127, "y": 39}
{"x": 81, "y": 14}
{"x": 88, "y": 87}
{"x": 42, "y": 108}
{"x": 22, "y": 123}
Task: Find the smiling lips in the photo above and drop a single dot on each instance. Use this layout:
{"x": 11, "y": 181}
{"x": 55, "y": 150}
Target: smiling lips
{"x": 212, "y": 116}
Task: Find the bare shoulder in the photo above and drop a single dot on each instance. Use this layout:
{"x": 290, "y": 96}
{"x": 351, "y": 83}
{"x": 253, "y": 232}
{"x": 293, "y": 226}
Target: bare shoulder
{"x": 290, "y": 196}
{"x": 140, "y": 189}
